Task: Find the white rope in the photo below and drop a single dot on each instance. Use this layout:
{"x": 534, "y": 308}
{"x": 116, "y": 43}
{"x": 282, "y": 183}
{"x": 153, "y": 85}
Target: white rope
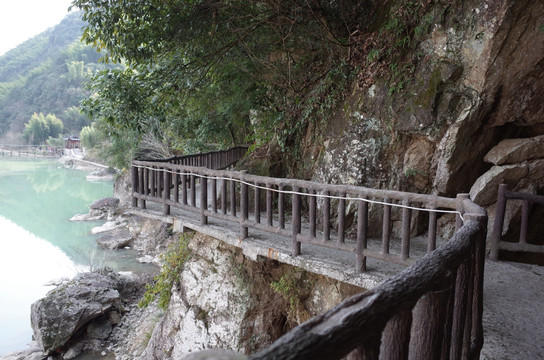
{"x": 304, "y": 194}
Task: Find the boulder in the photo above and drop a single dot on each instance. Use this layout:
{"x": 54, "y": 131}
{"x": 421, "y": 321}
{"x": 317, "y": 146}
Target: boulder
{"x": 484, "y": 190}
{"x": 101, "y": 175}
{"x": 117, "y": 239}
{"x": 106, "y": 204}
{"x": 108, "y": 226}
{"x": 93, "y": 215}
{"x": 69, "y": 307}
{"x": 99, "y": 329}
{"x": 512, "y": 151}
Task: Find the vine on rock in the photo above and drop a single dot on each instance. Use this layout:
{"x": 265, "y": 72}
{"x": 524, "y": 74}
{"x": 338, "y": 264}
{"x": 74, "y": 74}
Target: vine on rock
{"x": 173, "y": 262}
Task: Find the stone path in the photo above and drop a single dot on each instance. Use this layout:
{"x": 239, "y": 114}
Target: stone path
{"x": 513, "y": 311}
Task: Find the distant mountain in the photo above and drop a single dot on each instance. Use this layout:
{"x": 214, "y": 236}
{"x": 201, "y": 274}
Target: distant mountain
{"x": 46, "y": 74}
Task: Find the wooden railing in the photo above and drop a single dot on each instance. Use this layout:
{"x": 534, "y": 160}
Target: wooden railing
{"x": 29, "y": 151}
{"x": 527, "y": 202}
{"x": 214, "y": 160}
{"x": 432, "y": 310}
{"x": 226, "y": 195}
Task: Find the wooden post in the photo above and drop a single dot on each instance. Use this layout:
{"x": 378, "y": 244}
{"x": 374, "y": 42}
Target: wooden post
{"x": 313, "y": 206}
{"x": 257, "y": 204}
{"x": 429, "y": 317}
{"x": 295, "y": 220}
{"x": 143, "y": 185}
{"x": 396, "y": 337}
{"x": 203, "y": 200}
{"x": 406, "y": 222}
{"x": 326, "y": 216}
{"x": 233, "y": 198}
{"x": 214, "y": 195}
{"x": 386, "y": 227}
{"x": 224, "y": 196}
{"x": 477, "y": 302}
{"x": 525, "y": 209}
{"x": 281, "y": 208}
{"x": 175, "y": 176}
{"x": 184, "y": 189}
{"x": 498, "y": 223}
{"x": 166, "y": 191}
{"x": 243, "y": 207}
{"x": 460, "y": 310}
{"x": 460, "y": 199}
{"x": 135, "y": 186}
{"x": 431, "y": 238}
{"x": 362, "y": 228}
{"x": 341, "y": 218}
{"x": 269, "y": 209}
{"x": 193, "y": 190}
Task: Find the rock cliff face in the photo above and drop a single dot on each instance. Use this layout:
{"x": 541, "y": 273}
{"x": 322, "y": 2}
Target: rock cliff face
{"x": 224, "y": 300}
{"x": 473, "y": 81}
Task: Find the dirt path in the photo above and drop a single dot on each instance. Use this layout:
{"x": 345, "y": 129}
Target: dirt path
{"x": 513, "y": 311}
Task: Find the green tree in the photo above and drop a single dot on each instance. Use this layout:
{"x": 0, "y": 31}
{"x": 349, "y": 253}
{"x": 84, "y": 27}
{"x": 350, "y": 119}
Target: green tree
{"x": 37, "y": 130}
{"x": 90, "y": 137}
{"x": 198, "y": 69}
{"x": 74, "y": 119}
{"x": 41, "y": 127}
{"x": 54, "y": 125}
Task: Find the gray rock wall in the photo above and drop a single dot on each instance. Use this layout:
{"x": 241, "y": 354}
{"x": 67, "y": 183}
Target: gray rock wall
{"x": 476, "y": 80}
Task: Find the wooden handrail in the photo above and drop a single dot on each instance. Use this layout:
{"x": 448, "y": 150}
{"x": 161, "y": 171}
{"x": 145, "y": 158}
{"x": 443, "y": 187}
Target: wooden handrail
{"x": 29, "y": 151}
{"x": 433, "y": 309}
{"x": 496, "y": 242}
{"x": 151, "y": 178}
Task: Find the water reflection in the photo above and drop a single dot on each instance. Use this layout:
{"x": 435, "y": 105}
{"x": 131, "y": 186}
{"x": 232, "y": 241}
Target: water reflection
{"x": 23, "y": 279}
{"x": 41, "y": 198}
{"x": 38, "y": 243}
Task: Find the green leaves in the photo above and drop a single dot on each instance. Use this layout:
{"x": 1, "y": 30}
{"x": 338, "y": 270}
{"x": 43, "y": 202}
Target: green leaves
{"x": 41, "y": 127}
{"x": 173, "y": 262}
{"x": 215, "y": 73}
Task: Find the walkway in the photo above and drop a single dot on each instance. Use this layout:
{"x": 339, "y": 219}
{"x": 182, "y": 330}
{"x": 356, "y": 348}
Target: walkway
{"x": 513, "y": 293}
{"x": 513, "y": 311}
{"x": 513, "y": 297}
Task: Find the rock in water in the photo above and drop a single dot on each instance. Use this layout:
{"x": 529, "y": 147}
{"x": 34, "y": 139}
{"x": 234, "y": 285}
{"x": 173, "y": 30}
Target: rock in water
{"x": 105, "y": 204}
{"x": 66, "y": 309}
{"x": 118, "y": 239}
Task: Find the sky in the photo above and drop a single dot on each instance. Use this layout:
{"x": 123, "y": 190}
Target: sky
{"x": 22, "y": 19}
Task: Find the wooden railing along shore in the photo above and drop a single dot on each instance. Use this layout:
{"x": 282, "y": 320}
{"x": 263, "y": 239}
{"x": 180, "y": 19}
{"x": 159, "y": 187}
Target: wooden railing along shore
{"x": 431, "y": 310}
{"x": 29, "y": 151}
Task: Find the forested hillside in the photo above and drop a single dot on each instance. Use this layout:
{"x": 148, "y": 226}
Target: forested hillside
{"x": 46, "y": 74}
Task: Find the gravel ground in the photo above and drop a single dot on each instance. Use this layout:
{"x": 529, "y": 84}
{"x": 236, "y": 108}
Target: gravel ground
{"x": 513, "y": 311}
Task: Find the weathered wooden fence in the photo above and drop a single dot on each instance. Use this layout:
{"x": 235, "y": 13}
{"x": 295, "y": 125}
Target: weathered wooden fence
{"x": 214, "y": 160}
{"x": 226, "y": 195}
{"x": 432, "y": 310}
{"x": 527, "y": 202}
{"x": 28, "y": 151}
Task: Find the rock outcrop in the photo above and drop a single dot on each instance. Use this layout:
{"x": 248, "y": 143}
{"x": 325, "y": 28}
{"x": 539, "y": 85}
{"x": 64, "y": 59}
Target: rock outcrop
{"x": 58, "y": 317}
{"x": 100, "y": 209}
{"x": 117, "y": 239}
{"x": 475, "y": 80}
{"x": 225, "y": 301}
{"x": 519, "y": 163}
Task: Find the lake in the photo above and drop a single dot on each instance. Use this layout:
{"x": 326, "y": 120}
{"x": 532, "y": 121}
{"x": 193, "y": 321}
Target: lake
{"x": 39, "y": 244}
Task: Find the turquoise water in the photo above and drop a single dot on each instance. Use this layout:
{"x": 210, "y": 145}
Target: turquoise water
{"x": 38, "y": 243}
